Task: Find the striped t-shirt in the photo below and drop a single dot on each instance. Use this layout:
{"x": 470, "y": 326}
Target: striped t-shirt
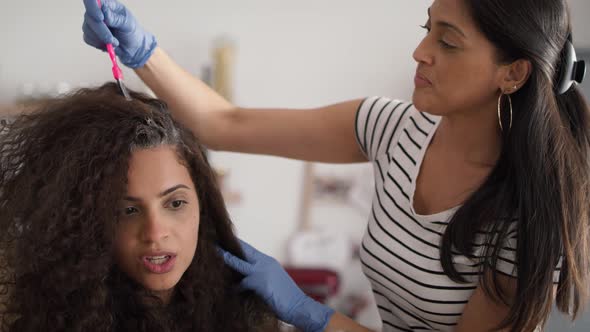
{"x": 400, "y": 249}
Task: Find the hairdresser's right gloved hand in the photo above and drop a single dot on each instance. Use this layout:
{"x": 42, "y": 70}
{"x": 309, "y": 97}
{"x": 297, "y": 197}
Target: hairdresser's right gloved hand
{"x": 267, "y": 278}
{"x": 113, "y": 23}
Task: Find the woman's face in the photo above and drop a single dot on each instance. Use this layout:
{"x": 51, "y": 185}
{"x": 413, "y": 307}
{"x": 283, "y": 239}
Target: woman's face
{"x": 156, "y": 236}
{"x": 457, "y": 69}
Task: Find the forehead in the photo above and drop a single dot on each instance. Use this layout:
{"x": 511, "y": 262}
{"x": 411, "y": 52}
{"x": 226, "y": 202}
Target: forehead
{"x": 156, "y": 169}
{"x": 455, "y": 12}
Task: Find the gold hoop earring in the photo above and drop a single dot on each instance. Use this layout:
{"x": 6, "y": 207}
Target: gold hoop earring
{"x": 500, "y": 111}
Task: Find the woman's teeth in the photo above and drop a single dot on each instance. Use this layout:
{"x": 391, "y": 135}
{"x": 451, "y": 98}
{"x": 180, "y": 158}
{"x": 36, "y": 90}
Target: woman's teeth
{"x": 158, "y": 259}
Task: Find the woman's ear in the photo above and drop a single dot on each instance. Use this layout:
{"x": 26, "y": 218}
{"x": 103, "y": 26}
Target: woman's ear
{"x": 515, "y": 75}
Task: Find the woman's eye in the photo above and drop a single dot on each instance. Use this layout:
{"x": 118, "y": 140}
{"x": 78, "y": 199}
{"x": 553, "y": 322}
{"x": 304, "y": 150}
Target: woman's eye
{"x": 177, "y": 204}
{"x": 425, "y": 27}
{"x": 446, "y": 45}
{"x": 130, "y": 210}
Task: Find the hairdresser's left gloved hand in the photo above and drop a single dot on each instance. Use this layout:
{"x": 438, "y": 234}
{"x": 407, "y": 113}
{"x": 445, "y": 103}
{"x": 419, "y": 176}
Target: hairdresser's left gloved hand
{"x": 114, "y": 24}
{"x": 265, "y": 276}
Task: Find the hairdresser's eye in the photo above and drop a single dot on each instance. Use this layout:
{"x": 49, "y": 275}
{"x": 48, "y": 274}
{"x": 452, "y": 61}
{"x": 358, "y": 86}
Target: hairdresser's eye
{"x": 446, "y": 45}
{"x": 177, "y": 204}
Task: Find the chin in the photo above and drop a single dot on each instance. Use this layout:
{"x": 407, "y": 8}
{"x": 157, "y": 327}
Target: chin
{"x": 421, "y": 101}
{"x": 426, "y": 103}
{"x": 161, "y": 283}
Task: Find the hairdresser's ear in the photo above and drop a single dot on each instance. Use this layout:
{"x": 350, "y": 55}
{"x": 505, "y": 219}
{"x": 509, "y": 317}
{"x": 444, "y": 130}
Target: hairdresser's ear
{"x": 514, "y": 75}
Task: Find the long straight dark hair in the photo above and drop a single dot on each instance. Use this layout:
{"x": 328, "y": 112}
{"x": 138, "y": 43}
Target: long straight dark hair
{"x": 539, "y": 185}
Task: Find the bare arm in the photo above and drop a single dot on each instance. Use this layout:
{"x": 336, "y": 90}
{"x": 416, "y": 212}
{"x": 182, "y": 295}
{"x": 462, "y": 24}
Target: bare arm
{"x": 341, "y": 323}
{"x": 483, "y": 313}
{"x": 323, "y": 134}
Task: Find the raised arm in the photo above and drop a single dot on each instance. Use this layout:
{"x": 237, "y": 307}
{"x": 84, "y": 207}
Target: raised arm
{"x": 322, "y": 134}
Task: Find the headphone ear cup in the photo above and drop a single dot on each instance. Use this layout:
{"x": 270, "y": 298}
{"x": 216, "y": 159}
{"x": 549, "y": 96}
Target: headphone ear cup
{"x": 566, "y": 74}
{"x": 580, "y": 71}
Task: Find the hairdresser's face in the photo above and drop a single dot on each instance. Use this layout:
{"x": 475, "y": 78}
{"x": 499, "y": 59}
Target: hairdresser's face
{"x": 156, "y": 237}
{"x": 457, "y": 68}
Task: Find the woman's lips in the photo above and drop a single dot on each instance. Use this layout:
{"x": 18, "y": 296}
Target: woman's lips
{"x": 159, "y": 264}
{"x": 421, "y": 82}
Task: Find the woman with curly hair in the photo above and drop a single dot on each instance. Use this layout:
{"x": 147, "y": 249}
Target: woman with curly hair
{"x": 111, "y": 218}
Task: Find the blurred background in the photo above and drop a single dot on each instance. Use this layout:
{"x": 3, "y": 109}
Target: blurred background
{"x": 261, "y": 53}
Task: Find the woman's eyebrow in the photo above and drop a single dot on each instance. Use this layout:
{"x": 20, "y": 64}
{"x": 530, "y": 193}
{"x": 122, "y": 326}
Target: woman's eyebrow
{"x": 163, "y": 193}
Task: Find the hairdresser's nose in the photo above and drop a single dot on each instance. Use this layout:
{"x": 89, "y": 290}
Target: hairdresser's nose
{"x": 423, "y": 54}
{"x": 154, "y": 228}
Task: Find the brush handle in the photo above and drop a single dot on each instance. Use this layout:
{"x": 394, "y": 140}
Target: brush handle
{"x": 117, "y": 72}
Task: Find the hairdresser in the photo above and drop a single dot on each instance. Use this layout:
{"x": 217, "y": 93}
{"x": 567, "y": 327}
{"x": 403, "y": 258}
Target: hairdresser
{"x": 480, "y": 216}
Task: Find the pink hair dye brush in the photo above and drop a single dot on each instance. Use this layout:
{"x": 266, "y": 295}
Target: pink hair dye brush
{"x": 117, "y": 72}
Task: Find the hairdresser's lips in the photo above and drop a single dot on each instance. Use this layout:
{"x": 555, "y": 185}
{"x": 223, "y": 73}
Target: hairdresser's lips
{"x": 421, "y": 81}
{"x": 159, "y": 262}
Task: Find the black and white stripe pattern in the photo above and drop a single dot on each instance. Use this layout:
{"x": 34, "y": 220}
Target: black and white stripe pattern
{"x": 400, "y": 249}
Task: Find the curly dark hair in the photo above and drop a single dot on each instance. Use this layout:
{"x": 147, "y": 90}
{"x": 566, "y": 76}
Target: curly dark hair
{"x": 63, "y": 170}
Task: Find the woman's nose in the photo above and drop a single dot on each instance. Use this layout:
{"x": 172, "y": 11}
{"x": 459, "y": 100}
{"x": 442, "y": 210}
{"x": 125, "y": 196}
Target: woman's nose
{"x": 423, "y": 53}
{"x": 154, "y": 228}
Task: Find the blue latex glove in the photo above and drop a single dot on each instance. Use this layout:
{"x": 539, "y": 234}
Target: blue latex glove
{"x": 265, "y": 276}
{"x": 114, "y": 24}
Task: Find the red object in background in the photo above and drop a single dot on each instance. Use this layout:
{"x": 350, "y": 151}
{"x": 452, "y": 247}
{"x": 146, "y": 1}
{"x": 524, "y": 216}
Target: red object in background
{"x": 319, "y": 284}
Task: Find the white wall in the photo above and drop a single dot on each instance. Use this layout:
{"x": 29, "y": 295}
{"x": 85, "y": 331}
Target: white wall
{"x": 580, "y": 9}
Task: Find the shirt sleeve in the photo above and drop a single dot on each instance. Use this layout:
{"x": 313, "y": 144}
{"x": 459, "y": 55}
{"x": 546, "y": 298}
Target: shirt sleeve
{"x": 377, "y": 122}
{"x": 507, "y": 264}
